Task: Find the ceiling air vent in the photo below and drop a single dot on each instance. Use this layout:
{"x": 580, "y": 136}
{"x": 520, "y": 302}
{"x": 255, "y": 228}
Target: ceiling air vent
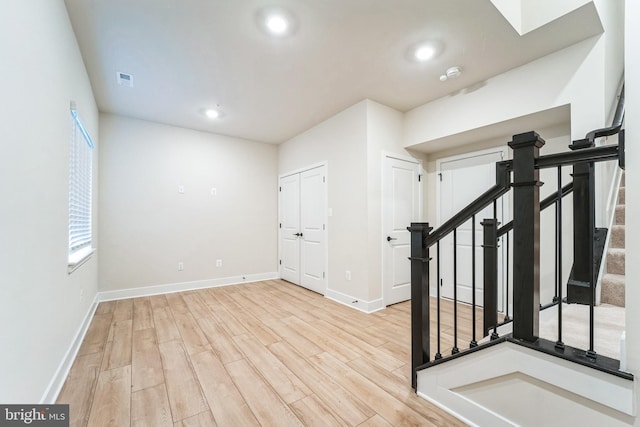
{"x": 124, "y": 79}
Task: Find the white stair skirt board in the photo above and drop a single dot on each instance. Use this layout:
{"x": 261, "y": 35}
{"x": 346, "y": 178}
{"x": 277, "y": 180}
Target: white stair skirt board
{"x": 508, "y": 384}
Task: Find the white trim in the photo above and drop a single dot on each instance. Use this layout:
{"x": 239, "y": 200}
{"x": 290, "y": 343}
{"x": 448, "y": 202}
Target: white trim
{"x": 302, "y": 169}
{"x": 185, "y": 286}
{"x": 79, "y": 258}
{"x": 55, "y": 385}
{"x": 353, "y": 302}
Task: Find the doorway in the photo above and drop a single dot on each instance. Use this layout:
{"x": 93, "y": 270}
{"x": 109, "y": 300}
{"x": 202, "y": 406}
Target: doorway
{"x": 460, "y": 180}
{"x": 400, "y": 207}
{"x": 302, "y": 228}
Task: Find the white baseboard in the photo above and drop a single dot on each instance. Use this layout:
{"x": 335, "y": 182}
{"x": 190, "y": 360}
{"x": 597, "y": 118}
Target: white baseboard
{"x": 186, "y": 286}
{"x": 55, "y": 385}
{"x": 358, "y": 304}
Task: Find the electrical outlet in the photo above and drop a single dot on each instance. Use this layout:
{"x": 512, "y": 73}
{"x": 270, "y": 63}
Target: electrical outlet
{"x": 180, "y": 266}
{"x": 181, "y": 189}
{"x": 218, "y": 263}
{"x": 347, "y": 275}
{"x": 214, "y": 191}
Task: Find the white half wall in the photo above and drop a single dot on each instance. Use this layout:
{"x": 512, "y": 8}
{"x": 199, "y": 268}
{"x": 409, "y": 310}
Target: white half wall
{"x": 42, "y": 306}
{"x": 227, "y": 209}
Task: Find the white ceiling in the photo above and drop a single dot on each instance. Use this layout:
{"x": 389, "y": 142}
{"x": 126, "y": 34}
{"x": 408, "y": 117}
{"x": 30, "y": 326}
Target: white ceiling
{"x": 186, "y": 55}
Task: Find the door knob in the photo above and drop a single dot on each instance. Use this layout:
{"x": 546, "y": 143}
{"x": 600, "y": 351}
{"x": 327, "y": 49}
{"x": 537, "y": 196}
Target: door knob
{"x": 389, "y": 238}
{"x": 297, "y": 234}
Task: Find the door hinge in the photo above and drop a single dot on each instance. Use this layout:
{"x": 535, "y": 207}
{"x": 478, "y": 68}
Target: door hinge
{"x": 419, "y": 177}
{"x": 280, "y": 225}
{"x": 323, "y": 274}
{"x": 323, "y": 226}
{"x": 323, "y": 179}
{"x": 280, "y": 189}
{"x": 440, "y": 176}
{"x": 280, "y": 262}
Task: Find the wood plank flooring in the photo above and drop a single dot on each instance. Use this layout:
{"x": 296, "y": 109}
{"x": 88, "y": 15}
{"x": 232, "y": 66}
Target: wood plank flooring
{"x": 266, "y": 353}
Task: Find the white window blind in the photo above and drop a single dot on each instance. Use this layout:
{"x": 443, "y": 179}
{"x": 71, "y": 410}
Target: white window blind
{"x": 80, "y": 182}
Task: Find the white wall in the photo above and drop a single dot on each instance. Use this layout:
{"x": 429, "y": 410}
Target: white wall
{"x": 384, "y": 136}
{"x": 632, "y": 177}
{"x": 552, "y": 81}
{"x": 41, "y": 307}
{"x": 341, "y": 142}
{"x": 352, "y": 143}
{"x": 148, "y": 226}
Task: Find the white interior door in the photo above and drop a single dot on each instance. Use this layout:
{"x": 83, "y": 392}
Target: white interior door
{"x": 463, "y": 179}
{"x": 290, "y": 228}
{"x": 401, "y": 207}
{"x": 312, "y": 218}
{"x": 302, "y": 228}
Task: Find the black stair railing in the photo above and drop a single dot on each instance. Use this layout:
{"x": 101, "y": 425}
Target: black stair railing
{"x": 525, "y": 231}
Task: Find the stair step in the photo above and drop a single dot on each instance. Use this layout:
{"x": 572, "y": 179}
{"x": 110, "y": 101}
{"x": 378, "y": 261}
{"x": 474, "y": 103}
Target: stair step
{"x": 622, "y": 180}
{"x": 615, "y": 260}
{"x": 620, "y": 214}
{"x": 617, "y": 237}
{"x": 621, "y": 192}
{"x": 613, "y": 289}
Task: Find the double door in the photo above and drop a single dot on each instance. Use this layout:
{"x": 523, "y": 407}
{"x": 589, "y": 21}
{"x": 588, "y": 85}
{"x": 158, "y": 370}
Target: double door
{"x": 302, "y": 228}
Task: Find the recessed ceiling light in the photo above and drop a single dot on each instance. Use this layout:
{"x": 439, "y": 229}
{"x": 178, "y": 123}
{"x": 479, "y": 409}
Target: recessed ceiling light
{"x": 424, "y": 53}
{"x": 211, "y": 113}
{"x": 277, "y": 24}
{"x": 276, "y": 21}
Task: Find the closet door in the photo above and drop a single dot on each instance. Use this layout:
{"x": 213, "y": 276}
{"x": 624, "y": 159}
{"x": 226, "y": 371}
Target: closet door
{"x": 312, "y": 215}
{"x": 302, "y": 229}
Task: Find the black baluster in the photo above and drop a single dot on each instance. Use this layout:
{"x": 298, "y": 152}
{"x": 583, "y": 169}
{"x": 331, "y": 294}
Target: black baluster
{"x": 438, "y": 285}
{"x": 455, "y": 349}
{"x": 473, "y": 342}
{"x": 559, "y": 343}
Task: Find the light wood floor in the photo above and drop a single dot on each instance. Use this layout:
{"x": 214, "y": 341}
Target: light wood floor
{"x": 267, "y": 353}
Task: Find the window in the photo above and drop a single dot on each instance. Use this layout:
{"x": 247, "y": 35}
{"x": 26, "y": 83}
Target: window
{"x": 80, "y": 182}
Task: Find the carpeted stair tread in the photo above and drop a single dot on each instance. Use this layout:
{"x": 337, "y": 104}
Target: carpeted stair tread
{"x": 615, "y": 260}
{"x": 617, "y": 236}
{"x": 620, "y": 214}
{"x": 621, "y": 196}
{"x": 613, "y": 291}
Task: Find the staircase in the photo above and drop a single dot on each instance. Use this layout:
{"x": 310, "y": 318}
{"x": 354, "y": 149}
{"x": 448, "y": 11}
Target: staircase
{"x": 614, "y": 281}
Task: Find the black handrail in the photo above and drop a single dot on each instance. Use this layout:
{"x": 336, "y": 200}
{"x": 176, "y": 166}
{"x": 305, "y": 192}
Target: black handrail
{"x": 503, "y": 185}
{"x": 549, "y": 201}
{"x": 616, "y": 124}
{"x": 597, "y": 154}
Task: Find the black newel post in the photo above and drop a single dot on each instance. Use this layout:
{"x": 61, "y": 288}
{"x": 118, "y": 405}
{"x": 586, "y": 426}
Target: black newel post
{"x": 526, "y": 235}
{"x": 490, "y": 256}
{"x": 419, "y": 297}
{"x": 581, "y": 287}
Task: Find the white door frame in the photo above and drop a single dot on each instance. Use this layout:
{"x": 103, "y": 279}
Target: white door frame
{"x": 389, "y": 155}
{"x": 326, "y": 228}
{"x": 506, "y": 211}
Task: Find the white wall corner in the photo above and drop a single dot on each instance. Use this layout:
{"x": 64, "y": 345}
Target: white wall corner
{"x": 353, "y": 302}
